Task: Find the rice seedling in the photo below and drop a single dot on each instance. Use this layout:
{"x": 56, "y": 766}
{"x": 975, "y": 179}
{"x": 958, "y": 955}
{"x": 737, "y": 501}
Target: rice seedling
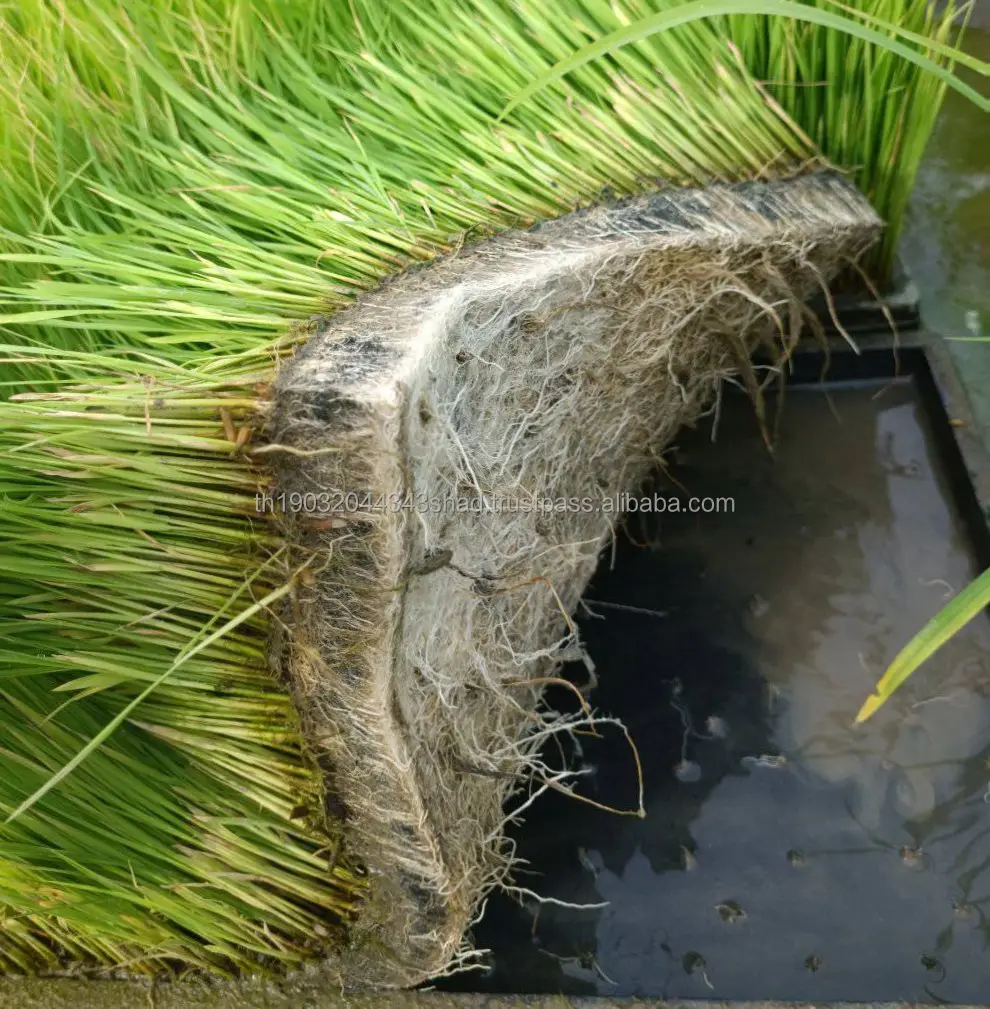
{"x": 133, "y": 574}
{"x": 878, "y": 123}
{"x": 846, "y": 73}
{"x": 958, "y": 612}
{"x": 185, "y": 186}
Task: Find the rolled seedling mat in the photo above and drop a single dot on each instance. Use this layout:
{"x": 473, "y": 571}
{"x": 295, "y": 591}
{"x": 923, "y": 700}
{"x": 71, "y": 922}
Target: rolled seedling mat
{"x": 445, "y": 452}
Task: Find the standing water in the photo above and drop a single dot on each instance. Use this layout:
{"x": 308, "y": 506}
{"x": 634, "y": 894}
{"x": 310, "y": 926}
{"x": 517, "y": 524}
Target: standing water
{"x": 787, "y": 854}
{"x": 946, "y": 244}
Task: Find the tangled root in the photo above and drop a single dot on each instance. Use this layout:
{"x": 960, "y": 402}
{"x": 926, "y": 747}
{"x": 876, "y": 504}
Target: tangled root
{"x": 557, "y": 363}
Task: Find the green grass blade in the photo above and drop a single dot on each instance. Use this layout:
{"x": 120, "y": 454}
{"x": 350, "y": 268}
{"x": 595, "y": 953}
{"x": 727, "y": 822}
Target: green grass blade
{"x": 947, "y": 622}
{"x": 700, "y": 9}
{"x": 115, "y": 723}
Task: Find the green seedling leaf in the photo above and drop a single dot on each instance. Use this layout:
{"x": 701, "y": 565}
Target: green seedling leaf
{"x": 698, "y": 9}
{"x": 115, "y": 723}
{"x": 946, "y": 623}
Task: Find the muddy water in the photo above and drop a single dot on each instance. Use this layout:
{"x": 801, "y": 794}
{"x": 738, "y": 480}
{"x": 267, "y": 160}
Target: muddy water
{"x": 786, "y": 853}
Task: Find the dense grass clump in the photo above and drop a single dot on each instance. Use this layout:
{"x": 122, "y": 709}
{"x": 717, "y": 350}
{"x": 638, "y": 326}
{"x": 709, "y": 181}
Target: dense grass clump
{"x": 135, "y": 571}
{"x": 186, "y": 183}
